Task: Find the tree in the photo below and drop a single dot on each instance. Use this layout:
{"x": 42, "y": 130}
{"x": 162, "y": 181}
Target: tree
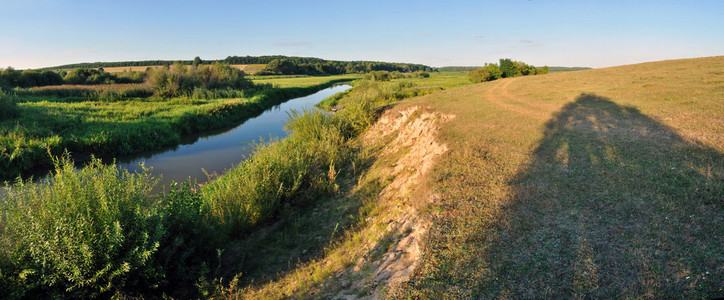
{"x": 508, "y": 67}
{"x": 11, "y": 76}
{"x": 197, "y": 61}
{"x": 281, "y": 66}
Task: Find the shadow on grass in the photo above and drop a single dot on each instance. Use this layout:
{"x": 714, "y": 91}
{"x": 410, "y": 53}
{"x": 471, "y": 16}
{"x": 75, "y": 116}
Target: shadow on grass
{"x": 613, "y": 204}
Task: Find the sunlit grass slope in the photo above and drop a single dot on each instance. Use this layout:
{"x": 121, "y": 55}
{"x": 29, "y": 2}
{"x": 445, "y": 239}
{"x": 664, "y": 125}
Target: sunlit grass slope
{"x": 604, "y": 183}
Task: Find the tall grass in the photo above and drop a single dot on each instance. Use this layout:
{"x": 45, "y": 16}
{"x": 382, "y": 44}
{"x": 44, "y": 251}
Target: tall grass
{"x": 279, "y": 174}
{"x": 8, "y": 105}
{"x": 99, "y": 92}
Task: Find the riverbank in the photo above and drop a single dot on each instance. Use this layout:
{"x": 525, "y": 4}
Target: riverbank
{"x": 181, "y": 243}
{"x": 46, "y": 128}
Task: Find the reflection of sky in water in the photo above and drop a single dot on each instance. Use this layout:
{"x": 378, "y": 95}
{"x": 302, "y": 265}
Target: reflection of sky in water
{"x": 219, "y": 152}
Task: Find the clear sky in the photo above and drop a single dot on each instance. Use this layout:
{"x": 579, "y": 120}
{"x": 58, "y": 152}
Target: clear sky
{"x": 39, "y": 33}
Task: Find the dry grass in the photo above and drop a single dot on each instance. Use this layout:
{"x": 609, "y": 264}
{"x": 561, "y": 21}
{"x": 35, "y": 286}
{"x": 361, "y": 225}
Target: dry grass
{"x": 250, "y": 69}
{"x": 603, "y": 183}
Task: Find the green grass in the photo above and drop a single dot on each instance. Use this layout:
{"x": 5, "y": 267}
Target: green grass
{"x": 603, "y": 183}
{"x": 300, "y": 81}
{"x": 49, "y": 125}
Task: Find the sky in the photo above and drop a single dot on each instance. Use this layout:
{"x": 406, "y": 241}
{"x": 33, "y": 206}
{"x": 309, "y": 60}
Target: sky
{"x": 42, "y": 33}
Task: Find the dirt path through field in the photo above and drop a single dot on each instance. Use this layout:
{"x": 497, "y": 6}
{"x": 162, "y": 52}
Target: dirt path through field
{"x": 499, "y": 95}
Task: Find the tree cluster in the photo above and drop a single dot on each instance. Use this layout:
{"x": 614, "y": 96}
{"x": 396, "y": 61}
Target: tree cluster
{"x": 316, "y": 66}
{"x": 507, "y": 68}
{"x": 28, "y": 78}
{"x": 179, "y": 79}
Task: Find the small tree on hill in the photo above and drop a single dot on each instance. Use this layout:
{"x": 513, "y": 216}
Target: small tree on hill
{"x": 508, "y": 67}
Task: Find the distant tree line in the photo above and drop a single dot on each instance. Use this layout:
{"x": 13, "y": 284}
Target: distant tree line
{"x": 276, "y": 65}
{"x": 11, "y": 78}
{"x": 506, "y": 68}
{"x": 315, "y": 66}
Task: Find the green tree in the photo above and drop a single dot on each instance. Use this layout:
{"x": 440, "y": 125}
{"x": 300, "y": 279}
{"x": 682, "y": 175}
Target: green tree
{"x": 197, "y": 61}
{"x": 281, "y": 66}
{"x": 11, "y": 76}
{"x": 508, "y": 67}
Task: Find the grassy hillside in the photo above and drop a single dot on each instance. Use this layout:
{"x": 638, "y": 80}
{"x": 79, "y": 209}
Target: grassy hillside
{"x": 604, "y": 183}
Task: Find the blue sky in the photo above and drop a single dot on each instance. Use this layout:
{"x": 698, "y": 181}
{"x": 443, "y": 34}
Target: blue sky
{"x": 36, "y": 33}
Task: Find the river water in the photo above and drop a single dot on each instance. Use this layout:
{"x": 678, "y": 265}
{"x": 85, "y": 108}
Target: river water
{"x": 217, "y": 151}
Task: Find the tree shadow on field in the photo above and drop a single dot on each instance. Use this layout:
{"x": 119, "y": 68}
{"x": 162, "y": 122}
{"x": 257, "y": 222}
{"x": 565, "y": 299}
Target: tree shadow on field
{"x": 613, "y": 204}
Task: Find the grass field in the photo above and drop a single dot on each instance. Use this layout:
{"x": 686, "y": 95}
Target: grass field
{"x": 299, "y": 81}
{"x": 602, "y": 183}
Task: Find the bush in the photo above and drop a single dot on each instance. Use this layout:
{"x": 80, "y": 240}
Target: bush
{"x": 189, "y": 243}
{"x": 422, "y": 74}
{"x": 179, "y": 80}
{"x": 487, "y": 73}
{"x": 8, "y": 106}
{"x": 90, "y": 76}
{"x": 378, "y": 76}
{"x": 82, "y": 233}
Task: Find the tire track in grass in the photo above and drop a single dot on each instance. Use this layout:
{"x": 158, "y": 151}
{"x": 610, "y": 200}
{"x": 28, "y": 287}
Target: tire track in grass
{"x": 499, "y": 95}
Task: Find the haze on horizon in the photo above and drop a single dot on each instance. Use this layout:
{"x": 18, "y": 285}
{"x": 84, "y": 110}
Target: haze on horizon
{"x": 41, "y": 33}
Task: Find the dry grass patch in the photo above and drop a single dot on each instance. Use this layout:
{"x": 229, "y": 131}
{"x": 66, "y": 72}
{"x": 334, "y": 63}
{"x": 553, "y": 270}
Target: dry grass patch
{"x": 603, "y": 183}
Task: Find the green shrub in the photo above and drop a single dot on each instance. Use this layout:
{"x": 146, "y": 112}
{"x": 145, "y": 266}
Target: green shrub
{"x": 190, "y": 241}
{"x": 8, "y": 106}
{"x": 378, "y": 76}
{"x": 422, "y": 74}
{"x": 180, "y": 80}
{"x": 90, "y": 76}
{"x": 81, "y": 233}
